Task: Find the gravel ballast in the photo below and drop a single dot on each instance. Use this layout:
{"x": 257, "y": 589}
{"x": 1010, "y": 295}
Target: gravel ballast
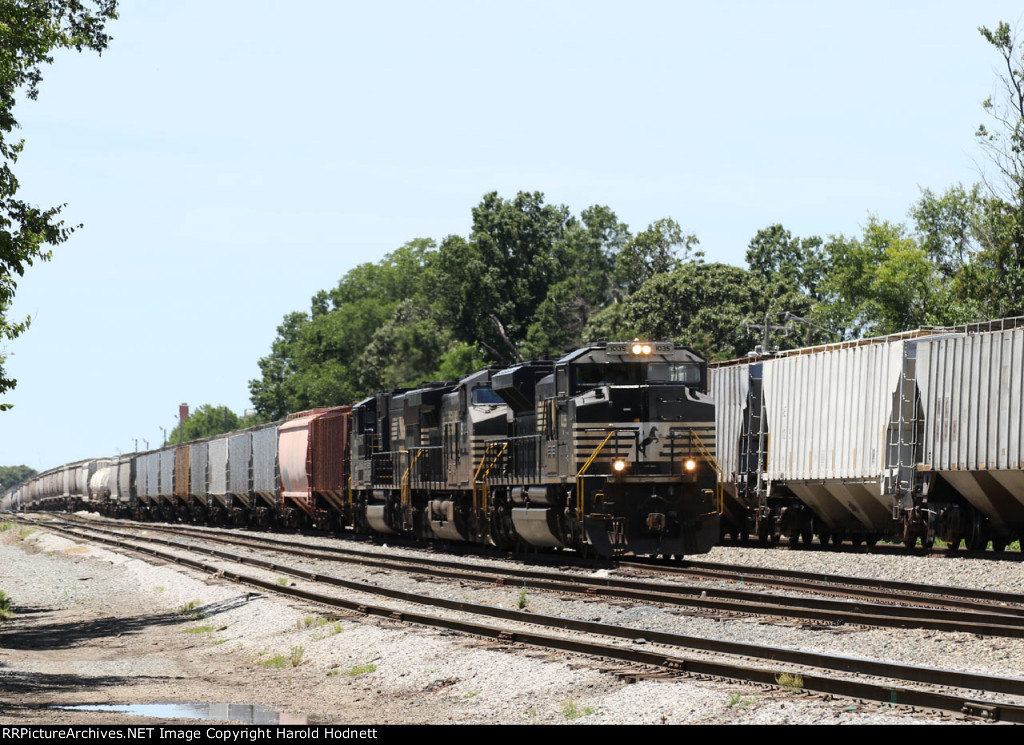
{"x": 97, "y": 627}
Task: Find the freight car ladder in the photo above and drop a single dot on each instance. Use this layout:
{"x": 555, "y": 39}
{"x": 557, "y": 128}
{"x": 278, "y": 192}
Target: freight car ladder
{"x": 903, "y": 436}
{"x": 755, "y": 462}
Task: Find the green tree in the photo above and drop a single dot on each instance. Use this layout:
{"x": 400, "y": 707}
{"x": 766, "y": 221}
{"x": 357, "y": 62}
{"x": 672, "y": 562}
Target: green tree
{"x": 495, "y": 279}
{"x": 881, "y": 283}
{"x": 14, "y": 475}
{"x": 30, "y": 31}
{"x": 322, "y": 358}
{"x": 589, "y": 252}
{"x": 786, "y": 273}
{"x": 207, "y": 421}
{"x": 653, "y": 251}
{"x": 1004, "y": 146}
{"x": 701, "y": 305}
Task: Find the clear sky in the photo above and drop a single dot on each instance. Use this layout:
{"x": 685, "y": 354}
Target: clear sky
{"x": 230, "y": 158}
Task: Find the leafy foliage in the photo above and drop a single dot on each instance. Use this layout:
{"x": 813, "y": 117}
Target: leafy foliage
{"x": 30, "y": 30}
{"x": 14, "y": 475}
{"x": 532, "y": 279}
{"x": 1004, "y": 145}
{"x": 207, "y": 421}
{"x": 524, "y": 282}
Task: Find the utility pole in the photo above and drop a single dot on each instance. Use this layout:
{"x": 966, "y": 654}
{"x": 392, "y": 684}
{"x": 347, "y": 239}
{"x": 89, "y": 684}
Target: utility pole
{"x": 767, "y": 328}
{"x": 811, "y": 325}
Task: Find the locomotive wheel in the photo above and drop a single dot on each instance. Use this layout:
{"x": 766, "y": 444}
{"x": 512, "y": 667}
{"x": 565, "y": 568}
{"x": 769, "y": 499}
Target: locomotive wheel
{"x": 998, "y": 544}
{"x": 823, "y": 538}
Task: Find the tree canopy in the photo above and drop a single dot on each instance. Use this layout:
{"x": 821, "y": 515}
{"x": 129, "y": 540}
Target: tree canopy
{"x": 14, "y": 475}
{"x": 207, "y": 421}
{"x": 30, "y": 31}
{"x": 531, "y": 278}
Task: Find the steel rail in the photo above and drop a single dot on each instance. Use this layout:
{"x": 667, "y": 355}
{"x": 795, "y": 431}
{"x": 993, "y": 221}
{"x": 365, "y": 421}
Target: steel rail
{"x": 883, "y": 691}
{"x": 1014, "y": 602}
{"x": 721, "y": 600}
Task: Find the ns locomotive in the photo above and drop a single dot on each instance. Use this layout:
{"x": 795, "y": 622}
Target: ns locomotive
{"x": 609, "y": 449}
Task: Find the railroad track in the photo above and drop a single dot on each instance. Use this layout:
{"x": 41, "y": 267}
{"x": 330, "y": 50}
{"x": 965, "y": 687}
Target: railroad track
{"x": 892, "y": 606}
{"x": 992, "y": 697}
{"x": 936, "y": 596}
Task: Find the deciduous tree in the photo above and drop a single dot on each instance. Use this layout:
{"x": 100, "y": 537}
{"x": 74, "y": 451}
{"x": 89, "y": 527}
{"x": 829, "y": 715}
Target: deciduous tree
{"x": 30, "y": 31}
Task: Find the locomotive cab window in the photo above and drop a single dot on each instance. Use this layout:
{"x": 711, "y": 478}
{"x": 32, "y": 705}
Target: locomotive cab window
{"x": 687, "y": 373}
{"x": 588, "y": 376}
{"x": 483, "y": 394}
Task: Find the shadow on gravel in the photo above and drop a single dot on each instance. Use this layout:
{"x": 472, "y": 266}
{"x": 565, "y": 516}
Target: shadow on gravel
{"x": 37, "y": 633}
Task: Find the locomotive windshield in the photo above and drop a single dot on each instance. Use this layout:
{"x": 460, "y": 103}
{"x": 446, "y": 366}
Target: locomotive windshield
{"x": 687, "y": 373}
{"x": 483, "y": 394}
{"x": 635, "y": 373}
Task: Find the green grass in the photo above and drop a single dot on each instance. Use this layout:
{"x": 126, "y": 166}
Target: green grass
{"x": 206, "y": 629}
{"x": 334, "y": 628}
{"x": 5, "y": 526}
{"x": 26, "y": 532}
{"x": 191, "y": 608}
{"x": 278, "y": 660}
{"x": 5, "y": 607}
{"x": 282, "y": 581}
{"x": 572, "y": 710}
{"x": 738, "y": 699}
{"x": 790, "y": 682}
{"x": 523, "y": 600}
{"x": 293, "y": 658}
{"x": 361, "y": 670}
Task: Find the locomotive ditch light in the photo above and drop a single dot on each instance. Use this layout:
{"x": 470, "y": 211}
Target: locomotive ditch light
{"x": 689, "y": 464}
{"x": 619, "y": 465}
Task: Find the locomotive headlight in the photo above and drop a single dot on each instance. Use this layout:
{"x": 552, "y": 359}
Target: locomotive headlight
{"x": 637, "y": 348}
{"x": 618, "y": 465}
{"x": 689, "y": 464}
{"x": 646, "y": 348}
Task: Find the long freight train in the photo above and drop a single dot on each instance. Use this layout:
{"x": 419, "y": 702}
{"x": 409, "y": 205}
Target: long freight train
{"x": 609, "y": 449}
{"x": 911, "y": 437}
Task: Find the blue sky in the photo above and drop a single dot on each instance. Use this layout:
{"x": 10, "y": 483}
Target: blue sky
{"x": 229, "y": 159}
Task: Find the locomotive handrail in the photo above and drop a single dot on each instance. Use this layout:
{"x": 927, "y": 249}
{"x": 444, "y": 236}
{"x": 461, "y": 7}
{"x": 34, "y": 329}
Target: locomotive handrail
{"x": 583, "y": 470}
{"x": 714, "y": 464}
{"x": 483, "y": 462}
{"x": 405, "y": 489}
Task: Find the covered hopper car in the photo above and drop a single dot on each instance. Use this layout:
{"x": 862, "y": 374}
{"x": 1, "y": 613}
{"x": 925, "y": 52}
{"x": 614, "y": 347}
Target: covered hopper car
{"x": 914, "y": 437}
